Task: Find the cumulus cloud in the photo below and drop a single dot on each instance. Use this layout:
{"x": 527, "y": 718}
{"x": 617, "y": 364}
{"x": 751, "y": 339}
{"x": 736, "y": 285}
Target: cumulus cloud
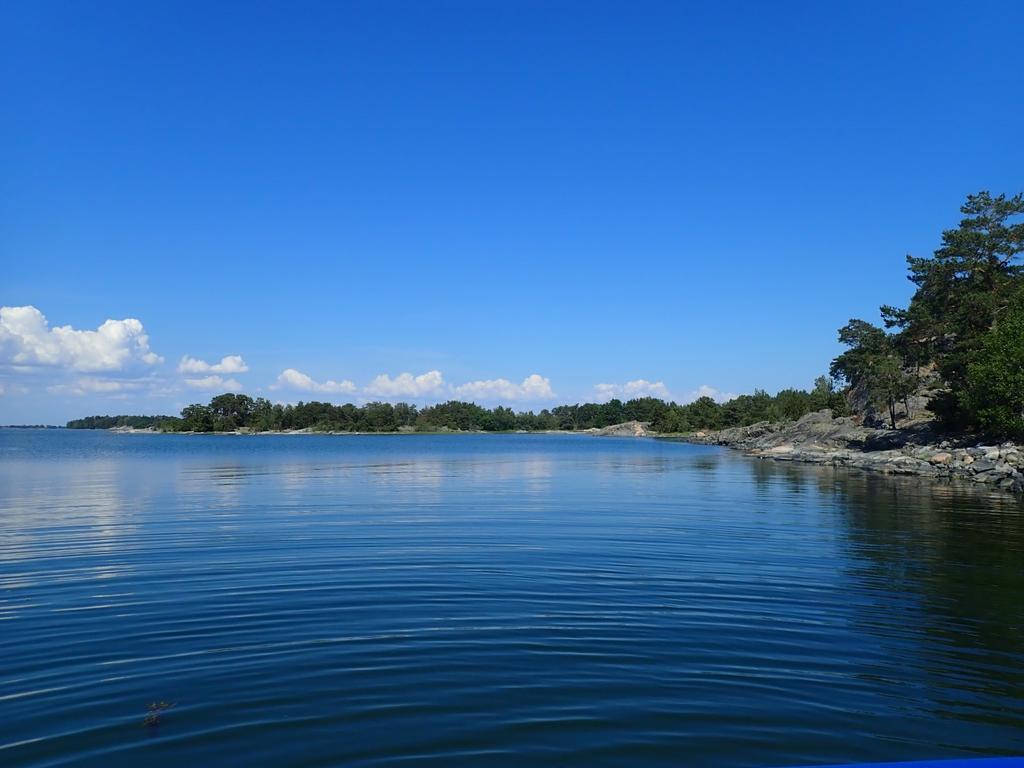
{"x": 632, "y": 389}
{"x": 26, "y": 339}
{"x": 214, "y": 382}
{"x": 7, "y": 388}
{"x": 533, "y": 387}
{"x": 229, "y": 364}
{"x": 406, "y": 385}
{"x": 95, "y": 385}
{"x": 705, "y": 390}
{"x": 644, "y": 388}
{"x": 293, "y": 379}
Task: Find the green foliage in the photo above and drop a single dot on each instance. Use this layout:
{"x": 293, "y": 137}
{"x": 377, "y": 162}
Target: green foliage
{"x": 197, "y": 418}
{"x": 109, "y": 422}
{"x": 230, "y": 411}
{"x": 890, "y": 383}
{"x": 826, "y": 395}
{"x": 873, "y": 363}
{"x": 705, "y": 413}
{"x": 995, "y": 376}
{"x": 456, "y": 414}
{"x": 787, "y": 405}
{"x": 964, "y": 286}
{"x": 867, "y": 344}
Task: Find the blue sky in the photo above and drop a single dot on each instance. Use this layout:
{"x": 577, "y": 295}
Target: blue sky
{"x": 474, "y": 194}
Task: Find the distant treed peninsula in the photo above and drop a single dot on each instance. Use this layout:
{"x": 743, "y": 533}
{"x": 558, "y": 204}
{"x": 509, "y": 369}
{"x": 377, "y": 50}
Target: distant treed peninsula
{"x": 954, "y": 357}
{"x": 126, "y": 422}
{"x": 232, "y": 412}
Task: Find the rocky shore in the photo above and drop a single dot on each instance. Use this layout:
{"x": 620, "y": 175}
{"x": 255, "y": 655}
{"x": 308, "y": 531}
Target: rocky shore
{"x": 626, "y": 429}
{"x": 818, "y": 438}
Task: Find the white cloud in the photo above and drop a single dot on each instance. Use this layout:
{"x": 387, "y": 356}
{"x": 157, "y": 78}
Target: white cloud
{"x": 632, "y": 389}
{"x": 26, "y": 339}
{"x": 7, "y": 388}
{"x": 95, "y": 385}
{"x": 705, "y": 390}
{"x": 644, "y": 388}
{"x": 533, "y": 387}
{"x": 293, "y": 379}
{"x": 229, "y": 364}
{"x": 406, "y": 385}
{"x": 214, "y": 382}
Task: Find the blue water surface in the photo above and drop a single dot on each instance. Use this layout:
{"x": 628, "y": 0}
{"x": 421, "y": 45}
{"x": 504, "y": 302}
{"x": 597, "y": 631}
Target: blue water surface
{"x": 494, "y": 600}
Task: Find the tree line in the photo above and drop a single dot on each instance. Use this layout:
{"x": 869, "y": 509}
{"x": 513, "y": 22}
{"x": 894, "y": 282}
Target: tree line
{"x": 230, "y": 412}
{"x": 110, "y": 422}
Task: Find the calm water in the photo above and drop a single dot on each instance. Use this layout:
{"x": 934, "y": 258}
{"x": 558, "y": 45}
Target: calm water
{"x": 494, "y": 600}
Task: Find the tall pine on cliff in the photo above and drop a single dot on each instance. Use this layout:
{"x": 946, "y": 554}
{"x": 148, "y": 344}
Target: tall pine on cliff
{"x": 964, "y": 292}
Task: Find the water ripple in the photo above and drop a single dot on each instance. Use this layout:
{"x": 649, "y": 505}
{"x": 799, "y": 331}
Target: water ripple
{"x": 495, "y": 600}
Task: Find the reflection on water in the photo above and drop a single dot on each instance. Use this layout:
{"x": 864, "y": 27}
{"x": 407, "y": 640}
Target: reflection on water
{"x": 950, "y": 558}
{"x": 496, "y": 600}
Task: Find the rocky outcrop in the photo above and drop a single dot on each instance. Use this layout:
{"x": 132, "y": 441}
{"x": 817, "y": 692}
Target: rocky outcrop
{"x": 626, "y": 429}
{"x": 818, "y": 438}
{"x": 815, "y": 430}
{"x": 913, "y": 410}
